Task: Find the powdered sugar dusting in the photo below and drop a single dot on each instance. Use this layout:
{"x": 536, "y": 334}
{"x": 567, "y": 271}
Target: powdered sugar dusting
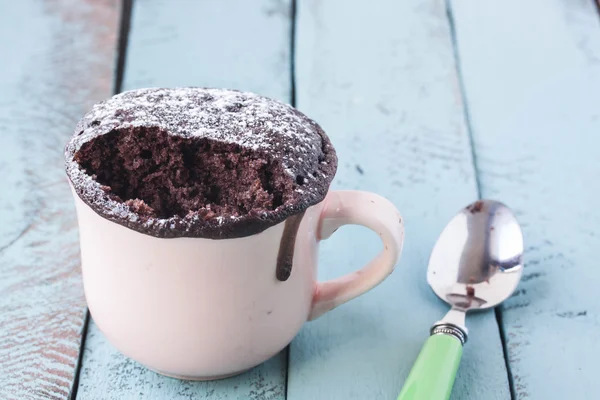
{"x": 242, "y": 118}
{"x": 246, "y": 119}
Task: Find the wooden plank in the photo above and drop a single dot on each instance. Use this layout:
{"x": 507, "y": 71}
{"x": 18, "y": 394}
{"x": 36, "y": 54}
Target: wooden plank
{"x": 232, "y": 44}
{"x": 532, "y": 77}
{"x": 107, "y": 374}
{"x": 383, "y": 83}
{"x": 57, "y": 61}
{"x": 235, "y": 44}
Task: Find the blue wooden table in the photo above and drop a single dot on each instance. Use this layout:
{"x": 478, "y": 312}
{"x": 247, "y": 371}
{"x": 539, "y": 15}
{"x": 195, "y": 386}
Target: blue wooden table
{"x": 430, "y": 103}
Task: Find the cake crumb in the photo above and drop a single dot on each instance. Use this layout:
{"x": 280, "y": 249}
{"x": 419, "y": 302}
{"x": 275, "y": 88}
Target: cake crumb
{"x": 140, "y": 207}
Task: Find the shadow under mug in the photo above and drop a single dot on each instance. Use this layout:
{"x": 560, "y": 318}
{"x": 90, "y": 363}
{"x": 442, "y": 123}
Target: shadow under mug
{"x": 201, "y": 309}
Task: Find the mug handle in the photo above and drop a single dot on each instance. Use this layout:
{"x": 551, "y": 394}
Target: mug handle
{"x": 371, "y": 211}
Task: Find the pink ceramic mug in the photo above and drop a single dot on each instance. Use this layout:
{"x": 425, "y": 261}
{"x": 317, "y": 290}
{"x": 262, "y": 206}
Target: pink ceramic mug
{"x": 197, "y": 308}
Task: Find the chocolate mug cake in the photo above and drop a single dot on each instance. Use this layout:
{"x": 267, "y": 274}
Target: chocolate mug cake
{"x": 200, "y": 213}
{"x": 193, "y": 162}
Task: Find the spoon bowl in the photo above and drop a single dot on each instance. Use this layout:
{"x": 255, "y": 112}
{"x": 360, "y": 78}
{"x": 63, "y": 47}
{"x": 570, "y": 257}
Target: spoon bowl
{"x": 477, "y": 261}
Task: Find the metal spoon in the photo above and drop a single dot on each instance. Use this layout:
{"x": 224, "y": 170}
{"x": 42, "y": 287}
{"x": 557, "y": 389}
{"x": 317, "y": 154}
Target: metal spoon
{"x": 475, "y": 264}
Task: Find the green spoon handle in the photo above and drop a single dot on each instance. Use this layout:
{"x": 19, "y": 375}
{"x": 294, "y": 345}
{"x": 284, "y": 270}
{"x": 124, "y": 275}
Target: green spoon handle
{"x": 432, "y": 376}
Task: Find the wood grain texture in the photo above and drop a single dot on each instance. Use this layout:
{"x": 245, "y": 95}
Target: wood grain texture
{"x": 532, "y": 77}
{"x": 57, "y": 60}
{"x": 235, "y": 44}
{"x": 382, "y": 81}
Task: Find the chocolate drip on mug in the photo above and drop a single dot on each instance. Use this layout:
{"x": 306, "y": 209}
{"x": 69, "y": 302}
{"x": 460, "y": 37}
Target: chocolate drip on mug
{"x": 285, "y": 258}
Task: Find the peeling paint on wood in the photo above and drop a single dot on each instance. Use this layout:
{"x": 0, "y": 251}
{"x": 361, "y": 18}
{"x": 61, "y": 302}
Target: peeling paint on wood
{"x": 57, "y": 60}
{"x": 532, "y": 77}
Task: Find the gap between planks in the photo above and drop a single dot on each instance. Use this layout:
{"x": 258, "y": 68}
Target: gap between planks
{"x": 293, "y": 103}
{"x": 124, "y": 26}
{"x": 469, "y": 128}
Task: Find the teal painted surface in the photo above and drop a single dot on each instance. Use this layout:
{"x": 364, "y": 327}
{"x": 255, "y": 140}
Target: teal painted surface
{"x": 229, "y": 43}
{"x": 107, "y": 374}
{"x": 233, "y": 44}
{"x": 382, "y": 82}
{"x": 432, "y": 376}
{"x": 56, "y": 61}
{"x": 532, "y": 79}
